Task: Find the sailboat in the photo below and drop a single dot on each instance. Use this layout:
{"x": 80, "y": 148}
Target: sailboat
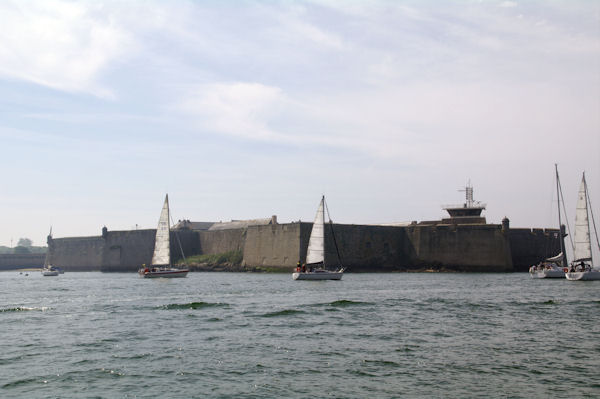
{"x": 48, "y": 270}
{"x": 553, "y": 267}
{"x": 314, "y": 268}
{"x": 161, "y": 258}
{"x": 582, "y": 267}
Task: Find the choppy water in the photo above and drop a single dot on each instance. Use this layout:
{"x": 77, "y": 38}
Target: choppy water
{"x": 221, "y": 335}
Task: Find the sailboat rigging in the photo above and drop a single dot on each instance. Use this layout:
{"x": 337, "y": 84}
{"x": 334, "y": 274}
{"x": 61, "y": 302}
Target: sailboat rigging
{"x": 553, "y": 267}
{"x": 315, "y": 267}
{"x": 161, "y": 257}
{"x": 48, "y": 270}
{"x": 582, "y": 266}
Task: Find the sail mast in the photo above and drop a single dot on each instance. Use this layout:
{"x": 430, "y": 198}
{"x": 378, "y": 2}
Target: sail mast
{"x": 583, "y": 249}
{"x": 316, "y": 243}
{"x": 560, "y": 226}
{"x": 162, "y": 250}
{"x": 337, "y": 249}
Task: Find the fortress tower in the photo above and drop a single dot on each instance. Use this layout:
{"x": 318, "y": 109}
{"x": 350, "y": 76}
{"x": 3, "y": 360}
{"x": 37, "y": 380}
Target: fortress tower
{"x": 467, "y": 213}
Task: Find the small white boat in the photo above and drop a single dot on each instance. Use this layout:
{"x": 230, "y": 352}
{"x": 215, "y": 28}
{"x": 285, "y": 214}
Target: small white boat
{"x": 585, "y": 275}
{"x": 318, "y": 274}
{"x": 166, "y": 272}
{"x": 49, "y": 271}
{"x": 314, "y": 269}
{"x": 161, "y": 258}
{"x": 581, "y": 268}
{"x": 553, "y": 267}
{"x": 550, "y": 268}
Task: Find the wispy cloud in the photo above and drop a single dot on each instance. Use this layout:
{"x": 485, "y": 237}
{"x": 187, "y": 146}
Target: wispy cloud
{"x": 417, "y": 94}
{"x": 59, "y": 44}
{"x": 239, "y": 109}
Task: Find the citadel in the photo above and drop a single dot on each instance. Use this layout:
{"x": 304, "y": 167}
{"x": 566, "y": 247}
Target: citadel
{"x": 463, "y": 241}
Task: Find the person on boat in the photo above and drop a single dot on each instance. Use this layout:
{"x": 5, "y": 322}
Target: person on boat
{"x": 304, "y": 268}
{"x": 298, "y": 266}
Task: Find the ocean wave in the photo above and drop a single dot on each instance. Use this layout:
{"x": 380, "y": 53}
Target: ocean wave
{"x": 25, "y": 309}
{"x": 286, "y": 312}
{"x": 346, "y": 302}
{"x": 386, "y": 363}
{"x": 17, "y": 383}
{"x": 192, "y": 305}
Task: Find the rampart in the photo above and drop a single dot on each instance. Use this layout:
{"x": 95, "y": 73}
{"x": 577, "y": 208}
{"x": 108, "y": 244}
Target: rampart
{"x": 21, "y": 261}
{"x": 221, "y": 241}
{"x": 478, "y": 248}
{"x": 275, "y": 246}
{"x": 447, "y": 247}
{"x": 76, "y": 253}
{"x": 530, "y": 246}
{"x": 127, "y": 251}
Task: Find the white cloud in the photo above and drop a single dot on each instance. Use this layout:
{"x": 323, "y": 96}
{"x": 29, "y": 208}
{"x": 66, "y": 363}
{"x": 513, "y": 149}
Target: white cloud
{"x": 239, "y": 109}
{"x": 305, "y": 31}
{"x": 59, "y": 44}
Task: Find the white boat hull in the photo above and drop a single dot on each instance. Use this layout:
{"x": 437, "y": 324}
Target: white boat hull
{"x": 583, "y": 276}
{"x": 164, "y": 273}
{"x": 547, "y": 274}
{"x": 50, "y": 273}
{"x": 318, "y": 275}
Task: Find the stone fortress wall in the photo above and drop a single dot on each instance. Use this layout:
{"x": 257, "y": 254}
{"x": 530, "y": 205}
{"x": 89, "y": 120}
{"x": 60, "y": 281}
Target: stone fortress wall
{"x": 473, "y": 248}
{"x": 462, "y": 242}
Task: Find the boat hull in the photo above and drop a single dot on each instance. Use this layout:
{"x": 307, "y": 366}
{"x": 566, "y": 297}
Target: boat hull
{"x": 587, "y": 275}
{"x": 50, "y": 273}
{"x": 318, "y": 276}
{"x": 172, "y": 273}
{"x": 547, "y": 274}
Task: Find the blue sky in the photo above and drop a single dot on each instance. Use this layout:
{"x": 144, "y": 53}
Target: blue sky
{"x": 245, "y": 109}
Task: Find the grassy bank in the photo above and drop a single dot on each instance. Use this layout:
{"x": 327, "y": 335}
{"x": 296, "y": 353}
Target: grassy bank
{"x": 230, "y": 257}
{"x": 230, "y": 261}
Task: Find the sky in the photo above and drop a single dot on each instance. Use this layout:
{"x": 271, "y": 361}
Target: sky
{"x": 247, "y": 109}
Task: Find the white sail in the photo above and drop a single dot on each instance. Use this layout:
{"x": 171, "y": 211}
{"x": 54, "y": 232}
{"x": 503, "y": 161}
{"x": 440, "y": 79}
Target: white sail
{"x": 558, "y": 258}
{"x": 583, "y": 248}
{"x": 162, "y": 251}
{"x": 316, "y": 243}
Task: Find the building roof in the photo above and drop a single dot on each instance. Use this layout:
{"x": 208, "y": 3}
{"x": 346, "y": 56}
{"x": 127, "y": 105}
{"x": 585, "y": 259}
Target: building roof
{"x": 242, "y": 224}
{"x": 188, "y": 225}
{"x": 234, "y": 224}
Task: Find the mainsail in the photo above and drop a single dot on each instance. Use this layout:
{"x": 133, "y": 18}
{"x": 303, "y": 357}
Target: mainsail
{"x": 558, "y": 259}
{"x": 583, "y": 248}
{"x": 162, "y": 251}
{"x": 316, "y": 243}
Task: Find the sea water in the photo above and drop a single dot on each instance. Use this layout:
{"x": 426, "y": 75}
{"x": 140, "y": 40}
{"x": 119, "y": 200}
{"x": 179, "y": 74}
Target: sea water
{"x": 248, "y": 335}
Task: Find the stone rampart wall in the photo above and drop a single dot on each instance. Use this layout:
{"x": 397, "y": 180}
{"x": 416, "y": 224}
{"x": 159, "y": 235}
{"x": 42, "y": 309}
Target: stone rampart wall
{"x": 273, "y": 246}
{"x": 76, "y": 253}
{"x": 473, "y": 248}
{"x": 531, "y": 246}
{"x": 220, "y": 241}
{"x": 127, "y": 251}
{"x": 366, "y": 248}
{"x": 488, "y": 248}
{"x": 21, "y": 261}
